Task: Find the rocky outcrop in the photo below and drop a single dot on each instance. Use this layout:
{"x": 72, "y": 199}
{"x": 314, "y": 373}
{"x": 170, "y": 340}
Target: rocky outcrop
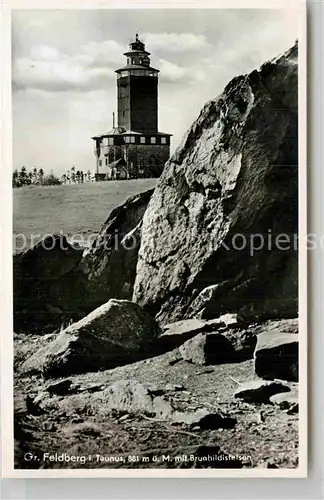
{"x": 116, "y": 333}
{"x": 46, "y": 289}
{"x": 276, "y": 355}
{"x": 222, "y": 204}
{"x": 109, "y": 266}
{"x": 55, "y": 283}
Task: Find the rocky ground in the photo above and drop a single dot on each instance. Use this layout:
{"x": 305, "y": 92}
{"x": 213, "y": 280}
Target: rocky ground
{"x": 147, "y": 413}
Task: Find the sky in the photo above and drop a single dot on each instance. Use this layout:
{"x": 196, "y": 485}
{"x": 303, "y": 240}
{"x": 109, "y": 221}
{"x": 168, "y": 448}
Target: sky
{"x": 64, "y": 61}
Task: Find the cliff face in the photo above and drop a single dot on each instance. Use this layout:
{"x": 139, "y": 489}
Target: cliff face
{"x": 210, "y": 232}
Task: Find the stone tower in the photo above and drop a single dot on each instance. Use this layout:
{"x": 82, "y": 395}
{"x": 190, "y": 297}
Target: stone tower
{"x": 137, "y": 91}
{"x": 134, "y": 148}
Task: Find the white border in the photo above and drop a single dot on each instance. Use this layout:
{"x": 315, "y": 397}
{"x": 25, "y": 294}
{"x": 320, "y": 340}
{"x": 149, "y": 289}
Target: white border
{"x": 6, "y": 323}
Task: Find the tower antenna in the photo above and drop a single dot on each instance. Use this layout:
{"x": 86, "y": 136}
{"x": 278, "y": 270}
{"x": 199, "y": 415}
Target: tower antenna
{"x": 113, "y": 120}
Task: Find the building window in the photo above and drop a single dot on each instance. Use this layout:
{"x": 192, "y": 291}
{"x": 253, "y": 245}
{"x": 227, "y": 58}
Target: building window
{"x": 100, "y": 163}
{"x": 128, "y": 60}
{"x": 132, "y": 139}
{"x": 106, "y": 161}
{"x": 153, "y": 140}
{"x": 163, "y": 140}
{"x": 110, "y": 141}
{"x": 110, "y": 157}
{"x": 133, "y": 61}
{"x": 127, "y": 139}
{"x": 142, "y": 140}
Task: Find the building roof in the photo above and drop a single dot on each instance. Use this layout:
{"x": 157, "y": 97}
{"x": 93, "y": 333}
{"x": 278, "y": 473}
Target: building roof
{"x": 115, "y": 131}
{"x": 132, "y": 52}
{"x": 137, "y": 66}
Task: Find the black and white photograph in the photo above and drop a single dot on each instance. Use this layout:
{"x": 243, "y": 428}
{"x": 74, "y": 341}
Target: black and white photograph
{"x": 158, "y": 209}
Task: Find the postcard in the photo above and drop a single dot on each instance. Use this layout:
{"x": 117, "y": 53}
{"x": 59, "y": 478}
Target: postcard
{"x": 156, "y": 289}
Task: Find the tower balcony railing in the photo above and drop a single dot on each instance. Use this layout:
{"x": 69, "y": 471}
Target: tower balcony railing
{"x": 137, "y": 72}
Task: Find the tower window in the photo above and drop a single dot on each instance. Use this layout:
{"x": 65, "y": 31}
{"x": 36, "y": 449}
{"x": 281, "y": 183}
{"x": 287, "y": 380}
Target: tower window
{"x": 110, "y": 141}
{"x": 132, "y": 139}
{"x": 163, "y": 140}
{"x": 142, "y": 140}
{"x": 127, "y": 139}
{"x": 133, "y": 61}
{"x": 153, "y": 140}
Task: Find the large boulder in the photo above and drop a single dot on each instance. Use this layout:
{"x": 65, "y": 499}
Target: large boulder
{"x": 45, "y": 285}
{"x": 109, "y": 265}
{"x": 55, "y": 283}
{"x": 116, "y": 333}
{"x": 226, "y": 205}
{"x": 217, "y": 348}
{"x": 276, "y": 355}
{"x": 175, "y": 334}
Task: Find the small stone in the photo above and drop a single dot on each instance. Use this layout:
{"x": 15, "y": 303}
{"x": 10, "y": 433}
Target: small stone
{"x": 259, "y": 391}
{"x": 173, "y": 362}
{"x": 60, "y": 388}
{"x": 49, "y": 426}
{"x": 229, "y": 319}
{"x": 205, "y": 419}
{"x": 124, "y": 417}
{"x": 174, "y": 387}
{"x": 287, "y": 401}
{"x": 77, "y": 420}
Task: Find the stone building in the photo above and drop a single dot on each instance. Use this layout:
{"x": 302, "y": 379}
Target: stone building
{"x": 134, "y": 148}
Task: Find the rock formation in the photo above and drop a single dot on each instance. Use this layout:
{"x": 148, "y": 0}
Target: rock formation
{"x": 109, "y": 266}
{"x": 230, "y": 185}
{"x": 203, "y": 362}
{"x": 46, "y": 287}
{"x": 116, "y": 333}
{"x": 55, "y": 283}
